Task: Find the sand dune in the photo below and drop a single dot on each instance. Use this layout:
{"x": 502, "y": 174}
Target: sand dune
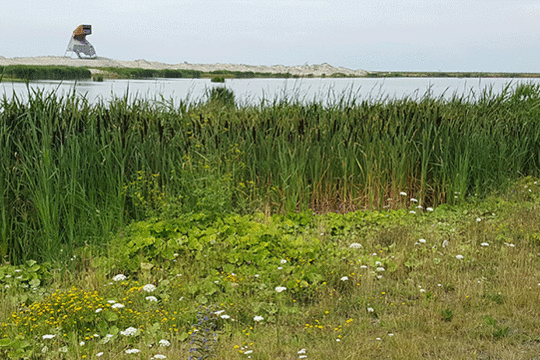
{"x": 316, "y": 70}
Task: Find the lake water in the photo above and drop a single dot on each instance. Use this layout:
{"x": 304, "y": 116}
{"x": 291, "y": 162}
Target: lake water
{"x": 253, "y": 91}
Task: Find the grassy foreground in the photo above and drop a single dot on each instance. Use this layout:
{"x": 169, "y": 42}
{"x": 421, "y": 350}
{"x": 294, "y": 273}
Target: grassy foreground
{"x": 454, "y": 282}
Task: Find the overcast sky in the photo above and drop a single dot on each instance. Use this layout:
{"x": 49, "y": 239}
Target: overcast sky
{"x": 408, "y": 35}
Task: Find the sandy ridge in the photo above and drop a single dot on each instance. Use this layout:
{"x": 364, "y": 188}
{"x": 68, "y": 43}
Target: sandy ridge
{"x": 302, "y": 70}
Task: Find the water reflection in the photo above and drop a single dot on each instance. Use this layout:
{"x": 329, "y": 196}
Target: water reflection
{"x": 255, "y": 91}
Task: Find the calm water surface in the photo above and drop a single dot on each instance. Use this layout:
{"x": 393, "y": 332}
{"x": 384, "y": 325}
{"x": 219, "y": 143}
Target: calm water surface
{"x": 254, "y": 91}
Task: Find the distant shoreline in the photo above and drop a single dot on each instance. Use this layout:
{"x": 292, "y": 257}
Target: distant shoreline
{"x": 98, "y": 63}
{"x": 105, "y": 67}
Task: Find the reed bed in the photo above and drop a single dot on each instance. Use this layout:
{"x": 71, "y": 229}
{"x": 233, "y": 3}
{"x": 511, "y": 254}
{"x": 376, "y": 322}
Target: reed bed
{"x": 72, "y": 172}
{"x": 39, "y": 72}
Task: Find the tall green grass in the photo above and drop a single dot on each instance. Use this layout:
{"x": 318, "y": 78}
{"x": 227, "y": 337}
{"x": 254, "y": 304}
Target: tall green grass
{"x": 72, "y": 172}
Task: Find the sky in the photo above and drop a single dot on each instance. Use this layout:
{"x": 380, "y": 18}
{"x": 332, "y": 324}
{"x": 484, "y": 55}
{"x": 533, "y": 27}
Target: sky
{"x": 381, "y": 35}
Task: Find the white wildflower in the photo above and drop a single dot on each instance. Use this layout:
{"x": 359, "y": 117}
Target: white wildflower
{"x": 132, "y": 351}
{"x": 130, "y": 331}
{"x": 280, "y": 288}
{"x": 344, "y": 278}
{"x": 149, "y": 287}
{"x": 414, "y": 200}
{"x": 151, "y": 298}
{"x": 429, "y": 209}
{"x": 484, "y": 244}
{"x": 117, "y": 306}
{"x": 283, "y": 261}
{"x": 225, "y": 316}
{"x": 158, "y": 356}
{"x": 99, "y": 354}
{"x": 164, "y": 342}
{"x": 363, "y": 267}
{"x": 48, "y": 336}
{"x": 258, "y": 318}
{"x": 303, "y": 351}
{"x": 111, "y": 301}
{"x": 403, "y": 193}
{"x": 355, "y": 246}
{"x": 412, "y": 212}
{"x": 370, "y": 310}
{"x": 459, "y": 257}
{"x": 219, "y": 312}
{"x": 380, "y": 268}
{"x": 478, "y": 220}
{"x": 445, "y": 243}
{"x": 422, "y": 241}
{"x": 81, "y": 343}
{"x": 119, "y": 277}
{"x": 99, "y": 310}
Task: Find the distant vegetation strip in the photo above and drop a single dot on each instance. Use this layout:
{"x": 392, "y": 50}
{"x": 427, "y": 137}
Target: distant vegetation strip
{"x": 52, "y": 72}
{"x": 31, "y": 72}
{"x": 438, "y": 74}
{"x": 134, "y": 73}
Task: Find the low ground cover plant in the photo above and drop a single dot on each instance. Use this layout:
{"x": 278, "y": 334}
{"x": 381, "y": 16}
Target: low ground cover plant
{"x": 456, "y": 282}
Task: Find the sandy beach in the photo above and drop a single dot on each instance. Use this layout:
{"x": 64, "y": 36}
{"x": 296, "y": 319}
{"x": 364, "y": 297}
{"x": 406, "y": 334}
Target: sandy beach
{"x": 100, "y": 62}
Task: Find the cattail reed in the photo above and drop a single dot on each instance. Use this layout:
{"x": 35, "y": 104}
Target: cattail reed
{"x": 72, "y": 172}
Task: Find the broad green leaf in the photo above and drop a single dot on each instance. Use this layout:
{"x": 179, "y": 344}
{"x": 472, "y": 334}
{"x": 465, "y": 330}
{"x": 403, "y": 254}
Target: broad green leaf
{"x": 110, "y": 316}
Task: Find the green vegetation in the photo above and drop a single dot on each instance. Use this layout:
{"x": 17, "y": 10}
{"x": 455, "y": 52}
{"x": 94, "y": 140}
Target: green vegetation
{"x": 458, "y": 282}
{"x": 71, "y": 172}
{"x": 200, "y": 229}
{"x": 440, "y": 74}
{"x": 132, "y": 73}
{"x": 218, "y": 79}
{"x": 30, "y": 72}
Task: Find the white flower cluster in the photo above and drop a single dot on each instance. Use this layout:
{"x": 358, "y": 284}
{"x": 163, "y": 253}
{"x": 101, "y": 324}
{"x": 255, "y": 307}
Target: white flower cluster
{"x": 130, "y": 331}
{"x": 149, "y": 287}
{"x": 164, "y": 342}
{"x": 119, "y": 277}
{"x": 132, "y": 351}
